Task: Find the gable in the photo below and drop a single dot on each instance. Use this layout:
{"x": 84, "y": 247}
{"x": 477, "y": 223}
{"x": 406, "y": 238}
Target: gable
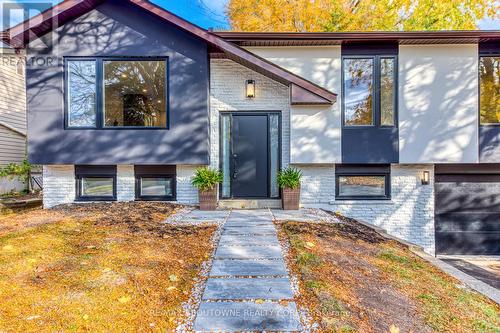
{"x": 64, "y": 11}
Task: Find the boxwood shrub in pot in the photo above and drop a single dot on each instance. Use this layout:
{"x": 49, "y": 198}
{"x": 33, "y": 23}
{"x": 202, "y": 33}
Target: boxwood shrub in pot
{"x": 289, "y": 182}
{"x": 207, "y": 181}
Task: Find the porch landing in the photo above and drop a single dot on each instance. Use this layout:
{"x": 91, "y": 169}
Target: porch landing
{"x": 250, "y": 203}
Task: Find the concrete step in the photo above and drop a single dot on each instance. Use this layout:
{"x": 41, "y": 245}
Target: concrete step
{"x": 248, "y": 288}
{"x": 249, "y": 252}
{"x": 250, "y": 203}
{"x": 231, "y": 240}
{"x": 247, "y": 316}
{"x": 255, "y": 229}
{"x": 247, "y": 267}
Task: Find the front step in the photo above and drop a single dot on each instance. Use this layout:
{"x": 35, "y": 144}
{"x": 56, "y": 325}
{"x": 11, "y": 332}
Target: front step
{"x": 250, "y": 203}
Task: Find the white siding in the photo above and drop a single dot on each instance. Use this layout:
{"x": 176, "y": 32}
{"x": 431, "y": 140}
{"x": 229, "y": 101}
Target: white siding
{"x": 12, "y": 92}
{"x": 12, "y": 146}
{"x": 315, "y": 130}
{"x": 438, "y": 103}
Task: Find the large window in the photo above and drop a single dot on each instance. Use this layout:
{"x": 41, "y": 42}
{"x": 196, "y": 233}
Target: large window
{"x": 369, "y": 91}
{"x": 364, "y": 182}
{"x": 110, "y": 93}
{"x": 95, "y": 183}
{"x": 489, "y": 83}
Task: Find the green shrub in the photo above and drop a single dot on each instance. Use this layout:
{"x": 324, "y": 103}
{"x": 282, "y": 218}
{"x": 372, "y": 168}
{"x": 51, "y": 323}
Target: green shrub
{"x": 206, "y": 178}
{"x": 289, "y": 177}
{"x": 19, "y": 170}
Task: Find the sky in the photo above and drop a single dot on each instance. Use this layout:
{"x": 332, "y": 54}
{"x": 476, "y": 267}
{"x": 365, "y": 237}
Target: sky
{"x": 204, "y": 13}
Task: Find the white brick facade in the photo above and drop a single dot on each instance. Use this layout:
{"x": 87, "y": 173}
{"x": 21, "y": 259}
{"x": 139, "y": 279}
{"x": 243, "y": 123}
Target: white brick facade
{"x": 58, "y": 185}
{"x": 409, "y": 214}
{"x": 227, "y": 93}
{"x": 186, "y": 193}
{"x": 125, "y": 183}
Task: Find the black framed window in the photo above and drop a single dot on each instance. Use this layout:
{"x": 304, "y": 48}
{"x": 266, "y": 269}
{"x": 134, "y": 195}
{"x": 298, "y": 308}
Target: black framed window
{"x": 81, "y": 93}
{"x": 369, "y": 90}
{"x": 155, "y": 182}
{"x": 363, "y": 182}
{"x": 116, "y": 92}
{"x": 489, "y": 89}
{"x": 95, "y": 183}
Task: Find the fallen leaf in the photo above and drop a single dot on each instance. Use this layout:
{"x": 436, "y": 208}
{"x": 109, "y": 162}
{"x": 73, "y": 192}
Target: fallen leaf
{"x": 124, "y": 299}
{"x": 85, "y": 317}
{"x": 173, "y": 278}
{"x": 32, "y": 317}
{"x": 393, "y": 329}
{"x": 8, "y": 248}
{"x": 171, "y": 288}
{"x": 310, "y": 245}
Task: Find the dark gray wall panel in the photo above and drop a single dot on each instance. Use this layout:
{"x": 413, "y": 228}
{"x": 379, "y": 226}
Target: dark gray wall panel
{"x": 489, "y": 144}
{"x": 117, "y": 28}
{"x": 370, "y": 145}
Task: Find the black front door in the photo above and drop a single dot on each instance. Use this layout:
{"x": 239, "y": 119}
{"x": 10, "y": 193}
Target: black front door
{"x": 250, "y": 154}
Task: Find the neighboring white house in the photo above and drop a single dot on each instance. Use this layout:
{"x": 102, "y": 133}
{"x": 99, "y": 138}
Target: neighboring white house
{"x": 12, "y": 115}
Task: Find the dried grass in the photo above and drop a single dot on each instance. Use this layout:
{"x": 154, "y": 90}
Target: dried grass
{"x": 97, "y": 267}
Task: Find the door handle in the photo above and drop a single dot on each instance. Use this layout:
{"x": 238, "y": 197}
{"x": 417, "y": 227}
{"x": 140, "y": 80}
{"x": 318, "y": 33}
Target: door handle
{"x": 234, "y": 166}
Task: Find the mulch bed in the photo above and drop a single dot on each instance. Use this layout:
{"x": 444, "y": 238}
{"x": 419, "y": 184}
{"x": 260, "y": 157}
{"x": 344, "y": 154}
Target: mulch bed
{"x": 138, "y": 216}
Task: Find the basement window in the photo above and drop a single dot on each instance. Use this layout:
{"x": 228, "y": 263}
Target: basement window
{"x": 362, "y": 182}
{"x": 95, "y": 183}
{"x": 155, "y": 182}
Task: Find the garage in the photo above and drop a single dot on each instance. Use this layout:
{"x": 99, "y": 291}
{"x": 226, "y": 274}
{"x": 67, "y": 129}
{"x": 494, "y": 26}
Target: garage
{"x": 467, "y": 208}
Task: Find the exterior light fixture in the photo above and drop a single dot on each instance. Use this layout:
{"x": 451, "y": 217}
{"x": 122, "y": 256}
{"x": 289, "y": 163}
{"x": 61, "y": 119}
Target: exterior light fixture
{"x": 425, "y": 177}
{"x": 250, "y": 88}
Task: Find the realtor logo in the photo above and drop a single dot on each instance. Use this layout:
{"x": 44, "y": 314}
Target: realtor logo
{"x": 17, "y": 30}
{"x": 23, "y": 22}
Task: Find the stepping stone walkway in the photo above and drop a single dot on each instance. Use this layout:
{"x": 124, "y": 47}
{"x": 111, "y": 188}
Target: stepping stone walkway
{"x": 248, "y": 288}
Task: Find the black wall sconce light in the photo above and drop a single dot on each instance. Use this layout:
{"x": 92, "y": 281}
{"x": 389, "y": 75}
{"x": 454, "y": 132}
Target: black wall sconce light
{"x": 425, "y": 177}
{"x": 250, "y": 88}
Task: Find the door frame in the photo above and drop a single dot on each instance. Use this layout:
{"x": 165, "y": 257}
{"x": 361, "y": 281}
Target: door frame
{"x": 231, "y": 166}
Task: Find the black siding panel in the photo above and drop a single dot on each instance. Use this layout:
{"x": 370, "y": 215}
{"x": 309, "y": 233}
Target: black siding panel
{"x": 489, "y": 144}
{"x": 118, "y": 28}
{"x": 370, "y": 145}
{"x": 383, "y": 48}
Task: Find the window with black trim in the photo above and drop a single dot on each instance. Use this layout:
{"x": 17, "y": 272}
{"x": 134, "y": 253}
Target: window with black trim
{"x": 116, "y": 93}
{"x": 155, "y": 182}
{"x": 95, "y": 183}
{"x": 369, "y": 90}
{"x": 363, "y": 182}
{"x": 489, "y": 86}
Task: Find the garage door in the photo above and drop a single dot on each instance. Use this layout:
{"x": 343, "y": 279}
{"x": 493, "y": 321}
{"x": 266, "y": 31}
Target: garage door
{"x": 467, "y": 209}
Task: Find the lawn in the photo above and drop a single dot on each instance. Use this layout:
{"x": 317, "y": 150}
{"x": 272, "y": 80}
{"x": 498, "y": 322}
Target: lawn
{"x": 97, "y": 267}
{"x": 353, "y": 280}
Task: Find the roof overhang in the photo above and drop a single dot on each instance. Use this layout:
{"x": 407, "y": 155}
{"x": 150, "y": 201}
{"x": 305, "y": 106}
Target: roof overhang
{"x": 339, "y": 38}
{"x": 310, "y": 93}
